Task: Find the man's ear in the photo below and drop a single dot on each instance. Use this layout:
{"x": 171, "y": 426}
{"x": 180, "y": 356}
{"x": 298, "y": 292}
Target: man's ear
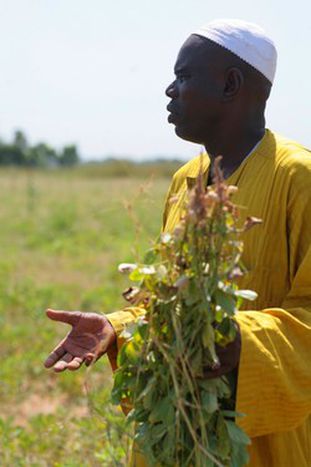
{"x": 234, "y": 81}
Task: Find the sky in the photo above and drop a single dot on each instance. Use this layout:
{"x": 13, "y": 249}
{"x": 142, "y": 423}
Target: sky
{"x": 94, "y": 72}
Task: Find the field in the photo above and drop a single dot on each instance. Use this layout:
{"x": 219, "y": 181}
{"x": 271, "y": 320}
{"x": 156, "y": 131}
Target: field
{"x": 62, "y": 235}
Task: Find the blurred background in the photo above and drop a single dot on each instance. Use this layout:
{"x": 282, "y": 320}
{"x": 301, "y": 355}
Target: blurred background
{"x": 86, "y": 155}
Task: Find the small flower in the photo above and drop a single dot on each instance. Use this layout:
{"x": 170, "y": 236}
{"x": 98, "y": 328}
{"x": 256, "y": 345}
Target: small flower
{"x": 147, "y": 270}
{"x": 166, "y": 238}
{"x": 250, "y": 222}
{"x": 236, "y": 273}
{"x": 246, "y": 294}
{"x": 232, "y": 189}
{"x": 211, "y": 196}
{"x": 126, "y": 268}
{"x": 134, "y": 295}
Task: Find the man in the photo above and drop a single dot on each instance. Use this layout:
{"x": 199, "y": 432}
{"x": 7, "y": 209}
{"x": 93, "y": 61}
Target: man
{"x": 224, "y": 72}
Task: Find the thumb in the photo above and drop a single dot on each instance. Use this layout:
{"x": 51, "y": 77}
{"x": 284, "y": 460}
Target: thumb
{"x": 69, "y": 317}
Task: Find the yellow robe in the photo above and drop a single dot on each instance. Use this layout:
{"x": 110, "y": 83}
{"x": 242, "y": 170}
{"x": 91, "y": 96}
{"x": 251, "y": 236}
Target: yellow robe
{"x": 274, "y": 379}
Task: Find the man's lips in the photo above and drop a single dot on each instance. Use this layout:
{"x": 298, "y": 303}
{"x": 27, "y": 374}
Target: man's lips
{"x": 173, "y": 116}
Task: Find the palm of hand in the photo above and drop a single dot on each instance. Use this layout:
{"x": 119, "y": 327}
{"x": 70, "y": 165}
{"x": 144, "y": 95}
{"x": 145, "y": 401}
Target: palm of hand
{"x": 90, "y": 337}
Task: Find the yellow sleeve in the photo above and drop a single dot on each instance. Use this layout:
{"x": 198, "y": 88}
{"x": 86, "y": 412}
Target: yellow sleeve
{"x": 119, "y": 320}
{"x": 274, "y": 380}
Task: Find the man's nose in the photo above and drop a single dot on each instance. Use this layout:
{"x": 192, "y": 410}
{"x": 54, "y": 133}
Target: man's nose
{"x": 171, "y": 91}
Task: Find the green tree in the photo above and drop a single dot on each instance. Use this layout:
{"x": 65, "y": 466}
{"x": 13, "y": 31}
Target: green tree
{"x": 69, "y": 156}
{"x": 42, "y": 155}
{"x": 20, "y": 141}
{"x": 20, "y": 152}
{"x": 14, "y": 153}
{"x": 11, "y": 155}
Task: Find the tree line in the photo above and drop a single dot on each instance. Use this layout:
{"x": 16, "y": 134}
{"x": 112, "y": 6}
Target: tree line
{"x": 19, "y": 152}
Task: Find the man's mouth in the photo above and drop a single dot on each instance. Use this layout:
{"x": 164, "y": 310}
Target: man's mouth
{"x": 173, "y": 116}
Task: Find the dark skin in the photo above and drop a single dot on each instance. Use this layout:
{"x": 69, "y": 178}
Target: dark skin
{"x": 91, "y": 336}
{"x": 218, "y": 101}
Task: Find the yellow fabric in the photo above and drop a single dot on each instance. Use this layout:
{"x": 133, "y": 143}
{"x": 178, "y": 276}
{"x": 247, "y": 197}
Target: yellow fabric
{"x": 274, "y": 380}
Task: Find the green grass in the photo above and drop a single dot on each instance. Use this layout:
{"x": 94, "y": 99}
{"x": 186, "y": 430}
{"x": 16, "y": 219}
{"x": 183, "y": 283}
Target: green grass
{"x": 61, "y": 239}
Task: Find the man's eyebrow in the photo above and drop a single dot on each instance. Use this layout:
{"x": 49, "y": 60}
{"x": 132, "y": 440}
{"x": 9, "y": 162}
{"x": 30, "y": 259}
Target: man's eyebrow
{"x": 180, "y": 70}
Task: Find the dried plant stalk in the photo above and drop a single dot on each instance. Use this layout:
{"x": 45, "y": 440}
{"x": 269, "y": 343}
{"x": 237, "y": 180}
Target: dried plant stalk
{"x": 187, "y": 288}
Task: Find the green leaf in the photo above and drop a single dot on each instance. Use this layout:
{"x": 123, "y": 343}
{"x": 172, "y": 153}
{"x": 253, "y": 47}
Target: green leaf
{"x": 157, "y": 431}
{"x": 223, "y": 440}
{"x": 232, "y": 414}
{"x": 118, "y": 387}
{"x": 150, "y": 256}
{"x": 149, "y": 394}
{"x": 223, "y": 387}
{"x": 196, "y": 361}
{"x": 236, "y": 433}
{"x": 118, "y": 378}
{"x": 142, "y": 329}
{"x": 163, "y": 411}
{"x": 208, "y": 335}
{"x": 218, "y": 314}
{"x": 239, "y": 455}
{"x": 192, "y": 296}
{"x": 208, "y": 384}
{"x": 210, "y": 402}
{"x": 132, "y": 353}
{"x": 136, "y": 275}
{"x": 140, "y": 431}
{"x": 122, "y": 357}
{"x": 208, "y": 339}
{"x": 225, "y": 301}
{"x": 137, "y": 415}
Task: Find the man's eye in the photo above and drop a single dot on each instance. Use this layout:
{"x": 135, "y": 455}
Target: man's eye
{"x": 182, "y": 78}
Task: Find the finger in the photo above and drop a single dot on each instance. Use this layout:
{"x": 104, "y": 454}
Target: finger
{"x": 69, "y": 317}
{"x": 62, "y": 364}
{"x": 54, "y": 356}
{"x": 75, "y": 364}
{"x": 89, "y": 358}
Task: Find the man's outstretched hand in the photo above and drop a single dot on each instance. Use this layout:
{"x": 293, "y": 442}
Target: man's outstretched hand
{"x": 90, "y": 337}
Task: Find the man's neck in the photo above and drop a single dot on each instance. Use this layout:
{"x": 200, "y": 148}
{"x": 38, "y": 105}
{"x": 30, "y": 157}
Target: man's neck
{"x": 234, "y": 149}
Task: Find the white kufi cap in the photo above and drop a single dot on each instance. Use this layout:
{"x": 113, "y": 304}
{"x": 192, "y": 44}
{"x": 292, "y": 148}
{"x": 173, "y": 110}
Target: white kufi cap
{"x": 246, "y": 40}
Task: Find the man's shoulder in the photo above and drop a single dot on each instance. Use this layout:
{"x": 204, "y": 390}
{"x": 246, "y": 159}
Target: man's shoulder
{"x": 293, "y": 163}
{"x": 290, "y": 154}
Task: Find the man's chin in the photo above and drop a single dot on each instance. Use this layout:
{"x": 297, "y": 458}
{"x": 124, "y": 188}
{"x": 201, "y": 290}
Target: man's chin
{"x": 182, "y": 132}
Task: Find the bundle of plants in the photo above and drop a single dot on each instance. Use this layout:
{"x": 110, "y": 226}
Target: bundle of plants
{"x": 187, "y": 288}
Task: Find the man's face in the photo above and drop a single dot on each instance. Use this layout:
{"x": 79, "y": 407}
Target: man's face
{"x": 195, "y": 107}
